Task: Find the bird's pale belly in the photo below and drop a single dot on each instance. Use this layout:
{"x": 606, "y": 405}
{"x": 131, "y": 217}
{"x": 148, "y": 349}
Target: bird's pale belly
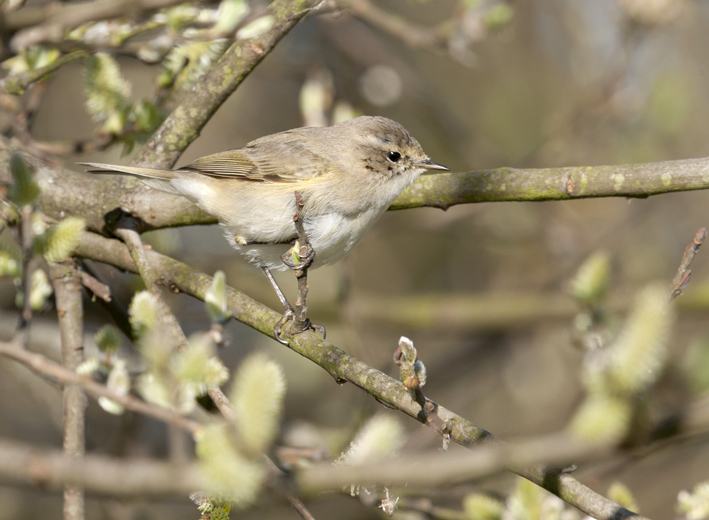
{"x": 332, "y": 236}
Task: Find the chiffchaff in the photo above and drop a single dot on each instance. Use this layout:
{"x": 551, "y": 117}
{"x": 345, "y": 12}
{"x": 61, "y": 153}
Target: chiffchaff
{"x": 347, "y": 174}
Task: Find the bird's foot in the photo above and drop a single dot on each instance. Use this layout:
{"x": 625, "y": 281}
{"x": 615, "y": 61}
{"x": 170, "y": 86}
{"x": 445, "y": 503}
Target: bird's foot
{"x": 297, "y": 327}
{"x": 309, "y": 325}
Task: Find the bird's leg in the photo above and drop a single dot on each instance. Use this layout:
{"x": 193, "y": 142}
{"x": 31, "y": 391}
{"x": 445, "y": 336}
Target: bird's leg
{"x": 299, "y": 258}
{"x": 288, "y": 311}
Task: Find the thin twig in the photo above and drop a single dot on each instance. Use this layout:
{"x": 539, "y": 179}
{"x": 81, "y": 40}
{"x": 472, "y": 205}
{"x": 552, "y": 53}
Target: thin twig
{"x": 223, "y": 404}
{"x": 411, "y": 34}
{"x": 299, "y": 507}
{"x": 424, "y": 505}
{"x": 301, "y": 273}
{"x": 45, "y": 366}
{"x": 22, "y": 121}
{"x": 44, "y": 23}
{"x": 114, "y": 309}
{"x": 127, "y": 230}
{"x": 101, "y": 290}
{"x": 67, "y": 288}
{"x": 684, "y": 273}
{"x": 17, "y": 84}
{"x": 28, "y": 267}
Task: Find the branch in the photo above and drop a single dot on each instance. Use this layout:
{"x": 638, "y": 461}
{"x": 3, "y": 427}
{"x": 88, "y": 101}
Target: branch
{"x": 65, "y": 192}
{"x": 95, "y": 198}
{"x": 420, "y": 471}
{"x": 42, "y": 365}
{"x": 684, "y": 273}
{"x": 105, "y": 475}
{"x": 346, "y": 368}
{"x": 109, "y": 304}
{"x": 411, "y": 34}
{"x": 128, "y": 231}
{"x": 17, "y": 84}
{"x": 97, "y": 288}
{"x": 47, "y": 23}
{"x": 184, "y": 124}
{"x": 67, "y": 287}
{"x": 444, "y": 190}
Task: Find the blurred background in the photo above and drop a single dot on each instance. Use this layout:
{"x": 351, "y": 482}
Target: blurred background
{"x": 541, "y": 83}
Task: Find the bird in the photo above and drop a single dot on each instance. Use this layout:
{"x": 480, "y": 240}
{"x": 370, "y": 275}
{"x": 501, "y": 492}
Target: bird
{"x": 346, "y": 174}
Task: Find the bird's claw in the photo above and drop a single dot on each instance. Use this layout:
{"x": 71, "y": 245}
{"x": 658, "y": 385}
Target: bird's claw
{"x": 309, "y": 325}
{"x": 299, "y": 326}
{"x": 287, "y": 315}
{"x": 321, "y": 328}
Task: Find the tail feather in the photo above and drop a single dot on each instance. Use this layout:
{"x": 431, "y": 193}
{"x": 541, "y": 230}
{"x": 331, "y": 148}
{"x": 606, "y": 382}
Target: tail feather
{"x": 144, "y": 173}
{"x": 157, "y": 179}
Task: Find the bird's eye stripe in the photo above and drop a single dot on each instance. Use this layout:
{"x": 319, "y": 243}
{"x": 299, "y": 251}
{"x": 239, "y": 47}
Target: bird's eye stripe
{"x": 394, "y": 156}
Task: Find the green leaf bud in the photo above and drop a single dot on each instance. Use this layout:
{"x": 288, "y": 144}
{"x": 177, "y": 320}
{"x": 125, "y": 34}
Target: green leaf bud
{"x": 482, "y": 507}
{"x": 89, "y": 366}
{"x": 591, "y": 282}
{"x": 621, "y": 494}
{"x": 119, "y": 382}
{"x": 108, "y": 339}
{"x": 107, "y": 93}
{"x": 9, "y": 266}
{"x": 59, "y": 241}
{"x": 639, "y": 353}
{"x": 40, "y": 290}
{"x": 229, "y": 475}
{"x": 257, "y": 397}
{"x": 215, "y": 300}
{"x": 230, "y": 13}
{"x": 198, "y": 365}
{"x": 602, "y": 419}
{"x": 24, "y": 190}
{"x": 144, "y": 313}
{"x": 695, "y": 504}
{"x": 381, "y": 437}
{"x": 256, "y": 28}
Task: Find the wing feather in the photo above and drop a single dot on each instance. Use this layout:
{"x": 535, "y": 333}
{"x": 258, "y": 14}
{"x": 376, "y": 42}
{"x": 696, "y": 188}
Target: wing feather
{"x": 283, "y": 157}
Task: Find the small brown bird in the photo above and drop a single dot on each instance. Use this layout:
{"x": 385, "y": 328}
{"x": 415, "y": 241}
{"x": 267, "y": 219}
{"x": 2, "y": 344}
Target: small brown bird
{"x": 347, "y": 174}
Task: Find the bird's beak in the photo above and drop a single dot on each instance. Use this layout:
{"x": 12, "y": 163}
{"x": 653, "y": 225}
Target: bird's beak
{"x": 430, "y": 165}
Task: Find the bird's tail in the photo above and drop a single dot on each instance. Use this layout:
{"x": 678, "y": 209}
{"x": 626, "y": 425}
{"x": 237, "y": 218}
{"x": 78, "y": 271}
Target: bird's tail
{"x": 157, "y": 179}
{"x": 143, "y": 173}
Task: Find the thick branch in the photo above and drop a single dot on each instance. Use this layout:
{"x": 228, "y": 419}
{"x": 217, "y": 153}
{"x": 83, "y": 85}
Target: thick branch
{"x": 137, "y": 477}
{"x": 346, "y": 368}
{"x": 96, "y": 198}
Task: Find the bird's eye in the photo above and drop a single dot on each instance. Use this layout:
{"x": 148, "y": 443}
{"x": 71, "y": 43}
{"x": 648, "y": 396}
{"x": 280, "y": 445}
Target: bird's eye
{"x": 394, "y": 156}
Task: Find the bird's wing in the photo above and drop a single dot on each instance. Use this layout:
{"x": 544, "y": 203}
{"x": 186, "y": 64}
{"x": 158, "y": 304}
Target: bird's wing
{"x": 275, "y": 158}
